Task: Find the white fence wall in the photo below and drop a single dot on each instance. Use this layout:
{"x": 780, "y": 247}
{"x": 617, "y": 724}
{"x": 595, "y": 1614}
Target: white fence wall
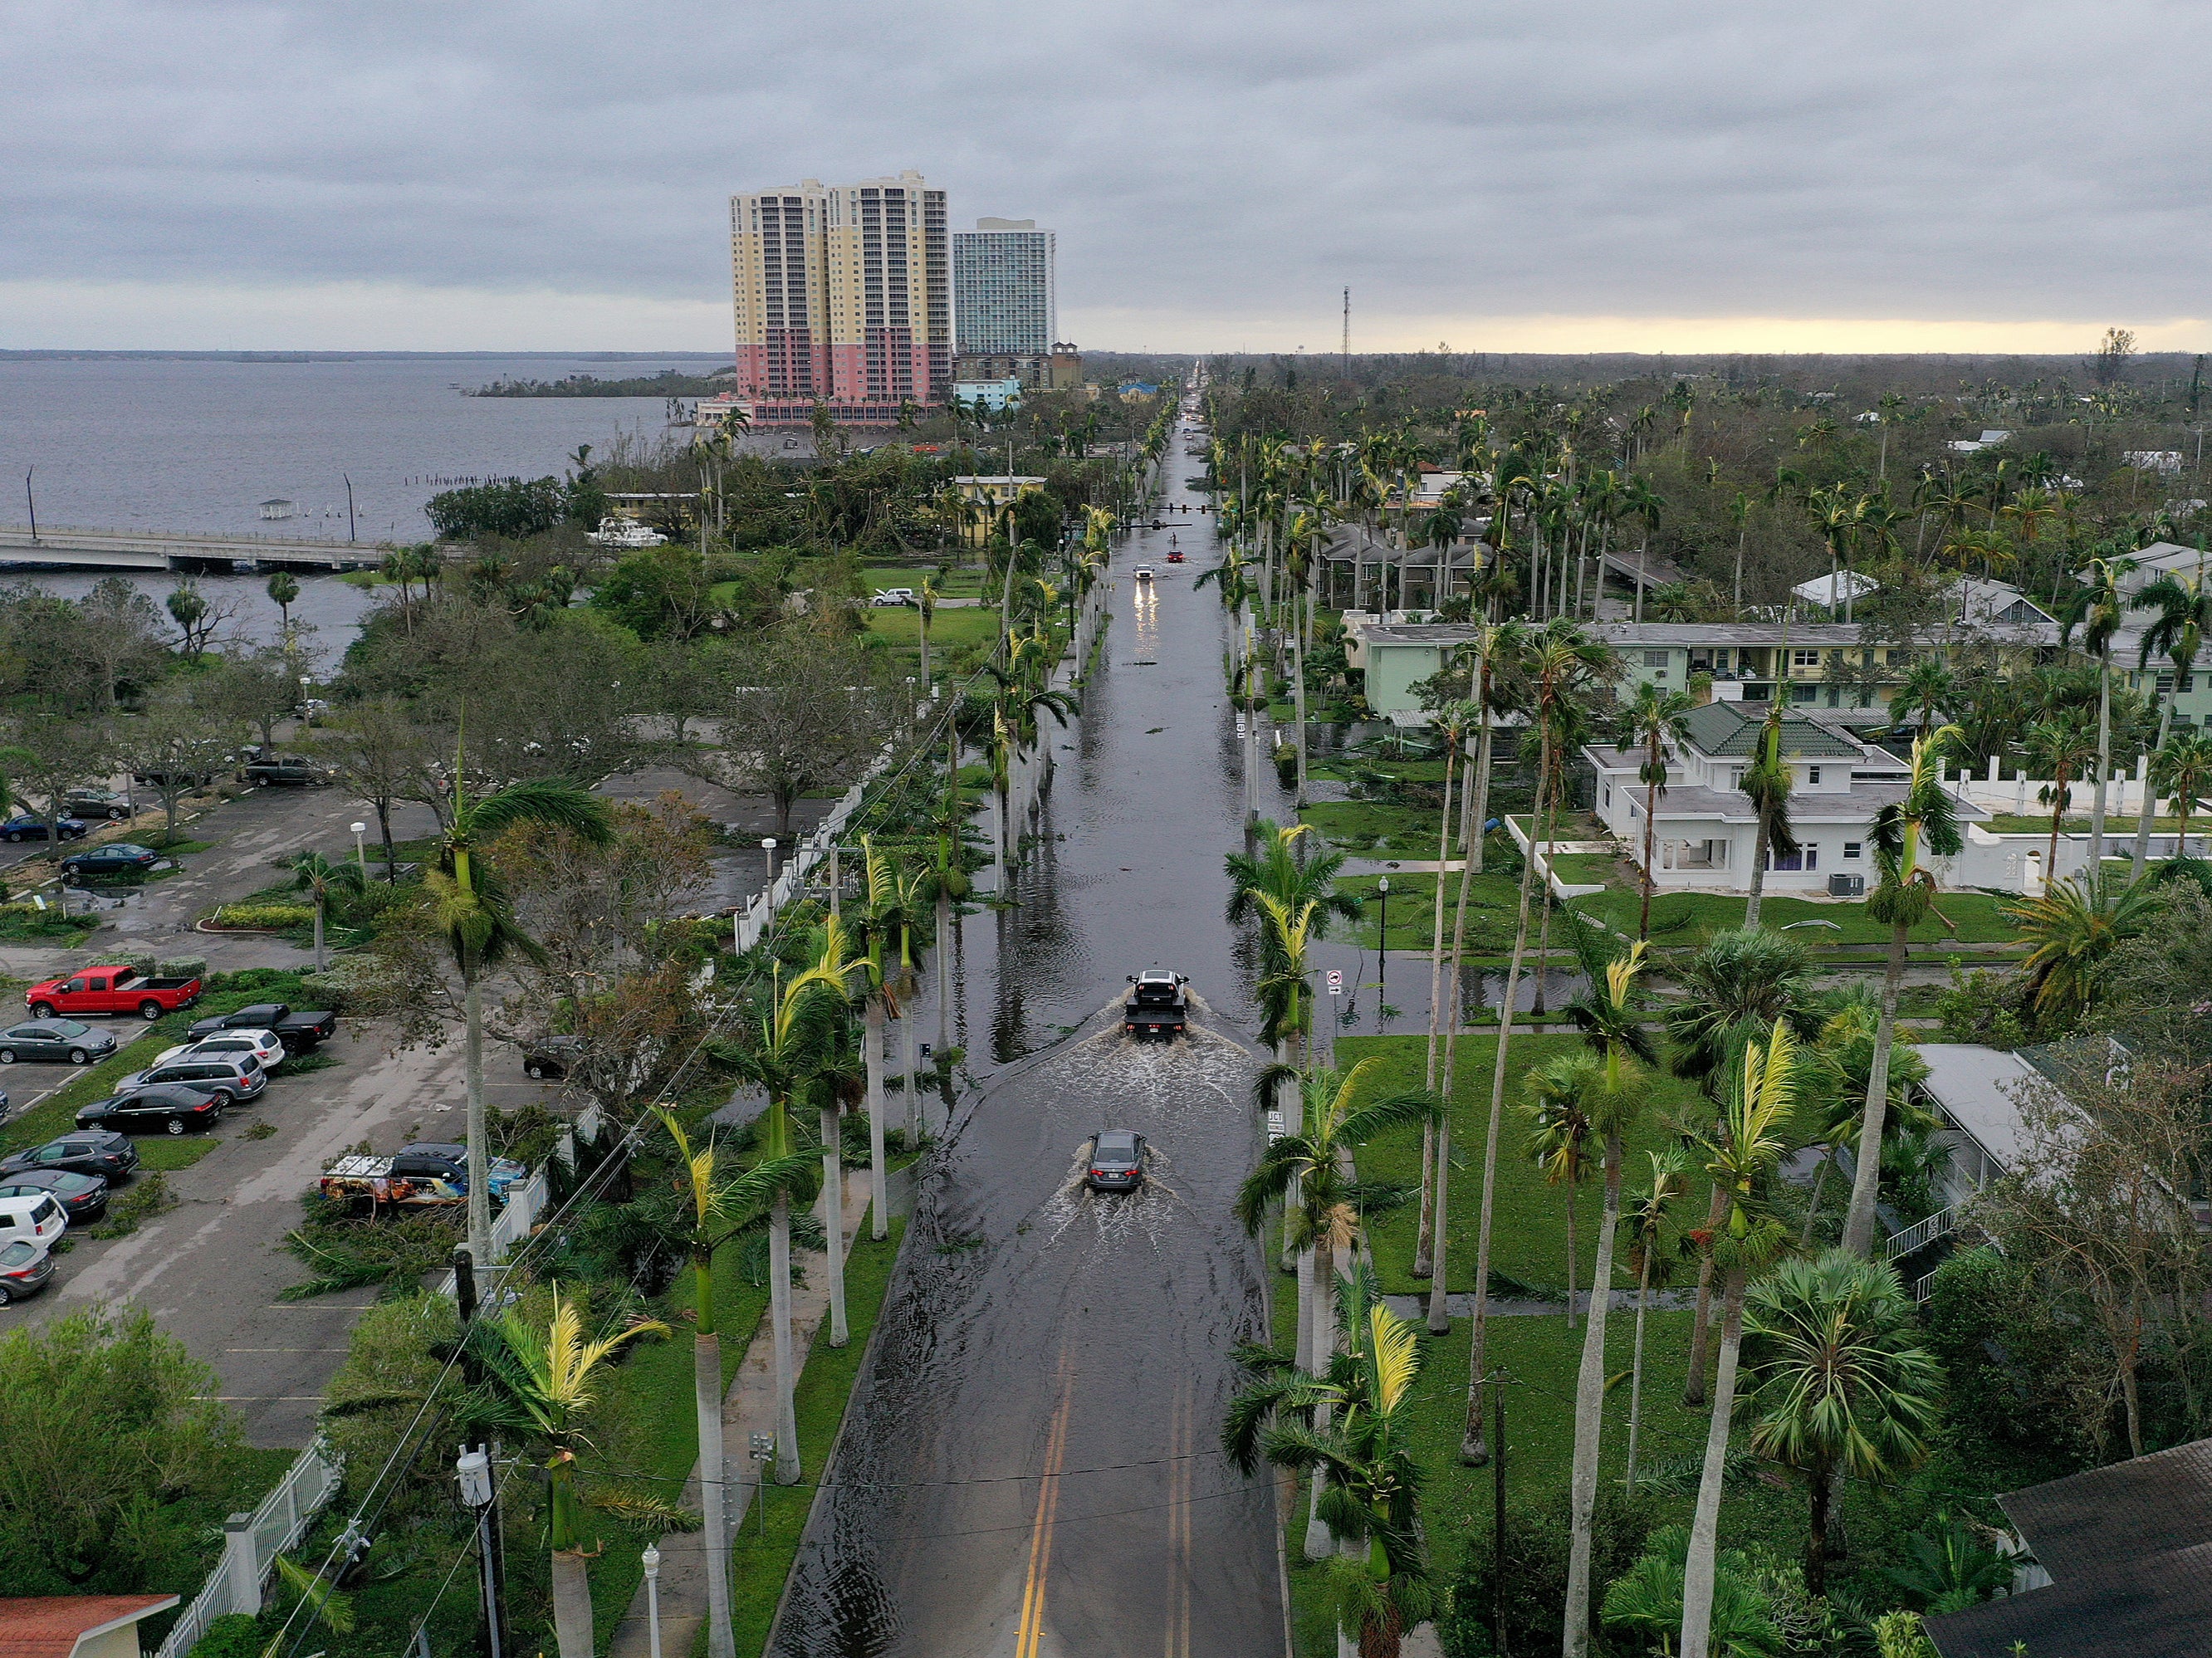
{"x": 252, "y": 1544}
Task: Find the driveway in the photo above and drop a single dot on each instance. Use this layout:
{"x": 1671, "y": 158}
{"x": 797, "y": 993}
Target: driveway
{"x": 210, "y": 1270}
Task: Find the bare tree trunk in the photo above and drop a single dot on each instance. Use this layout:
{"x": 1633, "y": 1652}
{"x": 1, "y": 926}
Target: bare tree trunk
{"x": 1865, "y": 1178}
{"x": 872, "y": 1033}
{"x": 1701, "y": 1323}
{"x": 2104, "y": 768}
{"x": 779, "y": 1315}
{"x": 1319, "y": 1543}
{"x": 1704, "y": 1527}
{"x": 714, "y": 1495}
{"x": 1636, "y": 1369}
{"x": 479, "y": 1150}
{"x": 833, "y": 1223}
{"x": 1590, "y": 1414}
{"x": 572, "y": 1603}
{"x": 1422, "y": 1252}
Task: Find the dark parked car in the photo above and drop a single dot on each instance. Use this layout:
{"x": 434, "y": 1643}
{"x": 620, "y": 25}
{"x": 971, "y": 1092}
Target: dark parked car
{"x": 82, "y": 1197}
{"x": 97, "y": 803}
{"x": 161, "y": 1107}
{"x": 287, "y": 770}
{"x": 1117, "y": 1161}
{"x": 116, "y": 858}
{"x": 299, "y": 1032}
{"x": 550, "y": 1057}
{"x": 88, "y": 1151}
{"x": 25, "y": 1268}
{"x": 30, "y": 826}
{"x": 160, "y": 776}
{"x": 55, "y": 1039}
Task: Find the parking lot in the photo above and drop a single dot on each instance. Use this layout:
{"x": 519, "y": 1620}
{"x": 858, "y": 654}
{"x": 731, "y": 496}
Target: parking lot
{"x": 210, "y": 1269}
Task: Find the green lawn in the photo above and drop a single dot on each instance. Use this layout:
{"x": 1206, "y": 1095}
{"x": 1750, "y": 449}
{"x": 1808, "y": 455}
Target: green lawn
{"x": 1590, "y": 869}
{"x": 1368, "y": 829}
{"x": 1687, "y": 919}
{"x": 1493, "y": 906}
{"x": 950, "y": 633}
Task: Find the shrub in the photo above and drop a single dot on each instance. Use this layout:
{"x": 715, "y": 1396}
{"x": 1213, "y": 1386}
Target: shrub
{"x": 149, "y": 1196}
{"x": 268, "y": 918}
{"x": 1984, "y": 1006}
{"x": 233, "y": 1635}
{"x": 1536, "y": 1541}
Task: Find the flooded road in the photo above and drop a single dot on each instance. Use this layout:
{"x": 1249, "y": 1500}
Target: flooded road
{"x": 1031, "y": 1466}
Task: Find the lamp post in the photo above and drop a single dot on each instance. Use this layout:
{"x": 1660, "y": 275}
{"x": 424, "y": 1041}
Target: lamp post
{"x": 34, "y": 499}
{"x": 768, "y": 849}
{"x": 652, "y": 1597}
{"x": 762, "y": 1450}
{"x": 473, "y": 1468}
{"x": 1382, "y": 949}
{"x": 361, "y": 851}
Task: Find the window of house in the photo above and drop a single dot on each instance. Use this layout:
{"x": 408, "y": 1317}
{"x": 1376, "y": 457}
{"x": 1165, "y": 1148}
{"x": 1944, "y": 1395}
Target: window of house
{"x": 1851, "y": 848}
{"x": 1804, "y": 858}
{"x": 1812, "y": 775}
{"x": 1804, "y": 658}
{"x": 1805, "y": 693}
{"x": 1654, "y": 659}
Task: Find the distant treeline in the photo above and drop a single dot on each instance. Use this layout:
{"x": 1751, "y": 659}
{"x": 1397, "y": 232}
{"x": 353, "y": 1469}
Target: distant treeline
{"x": 667, "y": 384}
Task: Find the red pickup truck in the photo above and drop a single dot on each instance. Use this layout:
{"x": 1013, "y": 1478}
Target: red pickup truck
{"x": 113, "y": 989}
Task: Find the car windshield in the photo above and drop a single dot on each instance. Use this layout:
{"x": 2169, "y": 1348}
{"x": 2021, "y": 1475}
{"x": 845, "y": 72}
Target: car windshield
{"x": 63, "y": 1028}
{"x": 17, "y": 1253}
{"x": 67, "y": 1182}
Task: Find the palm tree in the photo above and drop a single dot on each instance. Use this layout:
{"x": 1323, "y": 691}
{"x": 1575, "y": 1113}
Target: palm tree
{"x": 1843, "y": 1385}
{"x": 283, "y": 592}
{"x": 541, "y": 1383}
{"x": 722, "y": 1207}
{"x": 886, "y": 918}
{"x": 799, "y": 1034}
{"x": 1650, "y": 720}
{"x": 471, "y": 906}
{"x": 2070, "y": 931}
{"x": 1928, "y": 689}
{"x": 1767, "y": 781}
{"x": 2182, "y": 623}
{"x": 1649, "y": 1214}
{"x": 1451, "y": 722}
{"x": 1351, "y": 1425}
{"x": 322, "y": 881}
{"x": 1560, "y": 1136}
{"x": 1845, "y": 1065}
{"x": 1305, "y": 1170}
{"x": 925, "y": 611}
{"x": 2099, "y": 609}
{"x": 1735, "y": 988}
{"x": 2061, "y": 748}
{"x": 1609, "y": 1011}
{"x": 1277, "y": 872}
{"x": 2182, "y": 767}
{"x": 1560, "y": 662}
{"x": 1742, "y": 1161}
{"x": 1923, "y": 824}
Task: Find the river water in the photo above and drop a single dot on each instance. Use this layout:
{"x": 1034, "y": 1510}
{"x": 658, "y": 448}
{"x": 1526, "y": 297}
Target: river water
{"x": 136, "y": 443}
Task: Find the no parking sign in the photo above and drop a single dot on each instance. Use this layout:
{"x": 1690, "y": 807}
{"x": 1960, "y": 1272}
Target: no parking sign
{"x": 1335, "y": 982}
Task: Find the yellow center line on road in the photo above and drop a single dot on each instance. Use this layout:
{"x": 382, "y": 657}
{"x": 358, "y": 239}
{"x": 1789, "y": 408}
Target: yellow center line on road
{"x": 1030, "y": 1633}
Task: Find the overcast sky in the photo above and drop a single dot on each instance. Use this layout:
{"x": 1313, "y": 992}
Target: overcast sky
{"x": 1687, "y": 174}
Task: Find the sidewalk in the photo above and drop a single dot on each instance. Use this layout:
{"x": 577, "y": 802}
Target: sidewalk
{"x": 749, "y": 1407}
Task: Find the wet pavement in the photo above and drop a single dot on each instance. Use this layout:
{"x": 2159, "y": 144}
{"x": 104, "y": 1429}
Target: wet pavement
{"x": 1030, "y": 1465}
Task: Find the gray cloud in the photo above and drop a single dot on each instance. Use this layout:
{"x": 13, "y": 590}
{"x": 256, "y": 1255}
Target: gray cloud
{"x": 1221, "y": 168}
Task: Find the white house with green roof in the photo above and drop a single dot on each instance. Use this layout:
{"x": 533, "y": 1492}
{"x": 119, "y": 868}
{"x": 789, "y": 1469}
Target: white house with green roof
{"x": 1706, "y": 831}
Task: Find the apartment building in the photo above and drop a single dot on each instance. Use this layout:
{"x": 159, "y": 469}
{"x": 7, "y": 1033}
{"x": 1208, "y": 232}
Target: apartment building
{"x": 842, "y": 295}
{"x": 1004, "y": 300}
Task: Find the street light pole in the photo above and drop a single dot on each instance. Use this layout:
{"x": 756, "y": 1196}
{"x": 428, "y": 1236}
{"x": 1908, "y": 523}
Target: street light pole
{"x": 34, "y": 499}
{"x": 477, "y": 1491}
{"x": 652, "y": 1597}
{"x": 361, "y": 851}
{"x": 349, "y": 484}
{"x": 1382, "y": 950}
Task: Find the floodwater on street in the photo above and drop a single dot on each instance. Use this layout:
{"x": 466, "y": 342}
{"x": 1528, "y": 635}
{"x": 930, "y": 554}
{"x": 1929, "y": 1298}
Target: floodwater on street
{"x": 1031, "y": 1461}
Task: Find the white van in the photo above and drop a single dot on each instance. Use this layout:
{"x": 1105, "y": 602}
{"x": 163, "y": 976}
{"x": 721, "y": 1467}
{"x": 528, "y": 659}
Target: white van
{"x": 37, "y": 1218}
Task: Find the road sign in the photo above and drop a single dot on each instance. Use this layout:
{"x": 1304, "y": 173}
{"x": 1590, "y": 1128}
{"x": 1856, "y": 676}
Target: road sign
{"x": 1335, "y": 982}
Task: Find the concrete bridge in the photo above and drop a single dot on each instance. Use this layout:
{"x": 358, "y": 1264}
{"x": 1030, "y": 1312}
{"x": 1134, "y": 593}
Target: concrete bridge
{"x": 167, "y": 549}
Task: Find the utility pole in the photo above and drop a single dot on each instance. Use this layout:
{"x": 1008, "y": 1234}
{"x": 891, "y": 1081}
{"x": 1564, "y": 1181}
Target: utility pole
{"x": 1347, "y": 333}
{"x": 349, "y": 484}
{"x": 34, "y": 499}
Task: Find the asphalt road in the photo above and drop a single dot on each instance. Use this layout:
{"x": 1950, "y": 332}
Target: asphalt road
{"x": 1031, "y": 1463}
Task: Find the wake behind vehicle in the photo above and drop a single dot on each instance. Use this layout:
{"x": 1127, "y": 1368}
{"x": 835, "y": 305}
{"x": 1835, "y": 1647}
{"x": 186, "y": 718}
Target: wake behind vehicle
{"x": 1156, "y": 1006}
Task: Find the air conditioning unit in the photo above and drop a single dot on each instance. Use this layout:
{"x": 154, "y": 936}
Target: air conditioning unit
{"x": 1847, "y": 886}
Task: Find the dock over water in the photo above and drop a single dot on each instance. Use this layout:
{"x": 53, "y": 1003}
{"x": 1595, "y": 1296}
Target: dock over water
{"x": 66, "y": 545}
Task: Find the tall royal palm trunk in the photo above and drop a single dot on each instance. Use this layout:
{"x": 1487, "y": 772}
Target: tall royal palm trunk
{"x": 1636, "y": 1367}
{"x": 572, "y": 1603}
{"x": 320, "y": 963}
{"x": 944, "y": 974}
{"x": 833, "y": 1221}
{"x": 1481, "y": 816}
{"x": 2147, "y": 809}
{"x": 714, "y": 1494}
{"x": 907, "y": 1066}
{"x": 1701, "y": 1322}
{"x": 1704, "y": 1527}
{"x": 1422, "y": 1252}
{"x": 1319, "y": 1543}
{"x": 1589, "y": 1412}
{"x": 1439, "y": 1309}
{"x": 479, "y": 1150}
{"x": 779, "y": 1314}
{"x": 1865, "y": 1178}
{"x": 1758, "y": 848}
{"x": 1474, "y": 1448}
{"x": 1299, "y": 695}
{"x": 2104, "y": 765}
{"x": 871, "y": 1032}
